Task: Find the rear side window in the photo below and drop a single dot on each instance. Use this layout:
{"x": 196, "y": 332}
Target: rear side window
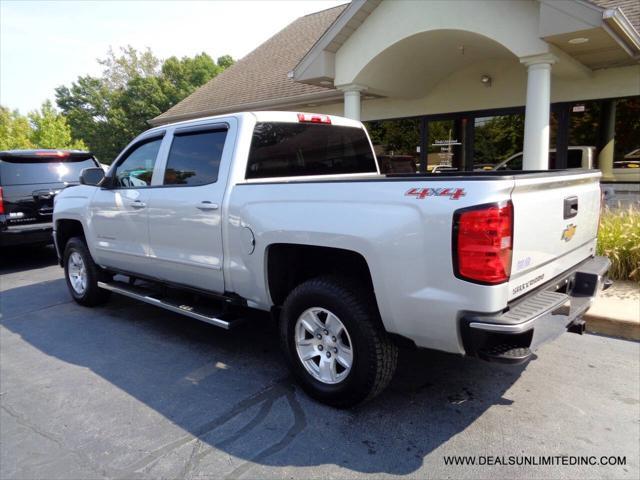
{"x": 43, "y": 169}
{"x": 292, "y": 149}
{"x": 194, "y": 158}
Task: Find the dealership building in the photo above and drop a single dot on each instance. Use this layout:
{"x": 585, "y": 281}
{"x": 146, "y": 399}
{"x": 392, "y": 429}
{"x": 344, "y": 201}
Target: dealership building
{"x": 470, "y": 84}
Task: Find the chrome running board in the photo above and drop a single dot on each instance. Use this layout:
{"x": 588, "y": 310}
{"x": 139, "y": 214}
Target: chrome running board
{"x": 199, "y": 312}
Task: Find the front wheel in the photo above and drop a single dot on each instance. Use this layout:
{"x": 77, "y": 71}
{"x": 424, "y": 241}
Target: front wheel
{"x": 82, "y": 274}
{"x": 334, "y": 341}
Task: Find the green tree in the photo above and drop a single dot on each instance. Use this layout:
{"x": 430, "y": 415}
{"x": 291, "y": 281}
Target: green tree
{"x": 49, "y": 129}
{"x": 497, "y": 138}
{"x": 144, "y": 98}
{"x": 107, "y": 112}
{"x": 14, "y": 130}
{"x": 44, "y": 128}
{"x": 225, "y": 61}
{"x": 400, "y": 137}
{"x": 87, "y": 106}
{"x": 131, "y": 63}
{"x": 182, "y": 76}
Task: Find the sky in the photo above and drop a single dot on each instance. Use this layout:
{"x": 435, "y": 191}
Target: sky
{"x": 44, "y": 44}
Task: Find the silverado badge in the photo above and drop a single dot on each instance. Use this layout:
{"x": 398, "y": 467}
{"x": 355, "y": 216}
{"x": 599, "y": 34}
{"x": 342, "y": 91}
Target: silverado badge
{"x": 569, "y": 232}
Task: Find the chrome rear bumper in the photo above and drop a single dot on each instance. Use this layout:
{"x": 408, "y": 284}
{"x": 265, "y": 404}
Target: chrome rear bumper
{"x": 537, "y": 318}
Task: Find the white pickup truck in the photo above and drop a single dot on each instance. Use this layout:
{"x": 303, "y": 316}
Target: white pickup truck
{"x": 287, "y": 213}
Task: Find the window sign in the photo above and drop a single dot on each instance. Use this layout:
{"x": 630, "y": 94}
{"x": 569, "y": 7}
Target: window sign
{"x": 446, "y": 149}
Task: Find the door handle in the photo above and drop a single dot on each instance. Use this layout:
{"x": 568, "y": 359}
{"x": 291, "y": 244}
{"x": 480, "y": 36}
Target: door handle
{"x": 570, "y": 207}
{"x": 138, "y": 204}
{"x": 207, "y": 205}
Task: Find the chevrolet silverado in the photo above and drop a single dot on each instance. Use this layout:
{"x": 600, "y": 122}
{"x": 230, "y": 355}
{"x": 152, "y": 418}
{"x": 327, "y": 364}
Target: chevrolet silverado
{"x": 288, "y": 213}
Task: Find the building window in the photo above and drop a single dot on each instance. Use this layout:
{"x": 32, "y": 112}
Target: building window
{"x": 498, "y": 142}
{"x": 443, "y": 144}
{"x": 397, "y": 144}
{"x": 627, "y": 135}
{"x": 605, "y": 134}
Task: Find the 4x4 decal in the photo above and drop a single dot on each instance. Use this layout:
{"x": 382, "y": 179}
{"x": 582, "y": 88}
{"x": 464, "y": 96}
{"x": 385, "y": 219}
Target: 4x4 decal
{"x": 421, "y": 193}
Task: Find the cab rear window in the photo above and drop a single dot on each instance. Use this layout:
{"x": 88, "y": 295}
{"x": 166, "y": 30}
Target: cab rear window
{"x": 25, "y": 170}
{"x": 303, "y": 149}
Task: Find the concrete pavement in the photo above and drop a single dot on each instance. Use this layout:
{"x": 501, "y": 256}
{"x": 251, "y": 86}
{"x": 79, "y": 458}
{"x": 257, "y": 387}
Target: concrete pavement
{"x": 131, "y": 391}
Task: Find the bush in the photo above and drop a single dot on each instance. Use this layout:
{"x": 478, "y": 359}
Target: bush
{"x": 619, "y": 239}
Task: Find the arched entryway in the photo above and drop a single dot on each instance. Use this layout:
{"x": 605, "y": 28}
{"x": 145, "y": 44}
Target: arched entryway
{"x": 409, "y": 50}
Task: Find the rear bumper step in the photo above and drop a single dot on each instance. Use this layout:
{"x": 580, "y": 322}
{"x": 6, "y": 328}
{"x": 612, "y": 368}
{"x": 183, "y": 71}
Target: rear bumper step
{"x": 199, "y": 310}
{"x": 505, "y": 353}
{"x": 512, "y": 336}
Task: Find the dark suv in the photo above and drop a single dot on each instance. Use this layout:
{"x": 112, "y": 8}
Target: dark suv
{"x": 29, "y": 179}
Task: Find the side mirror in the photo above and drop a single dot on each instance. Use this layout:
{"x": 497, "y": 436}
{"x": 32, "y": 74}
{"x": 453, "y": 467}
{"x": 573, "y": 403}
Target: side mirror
{"x": 91, "y": 176}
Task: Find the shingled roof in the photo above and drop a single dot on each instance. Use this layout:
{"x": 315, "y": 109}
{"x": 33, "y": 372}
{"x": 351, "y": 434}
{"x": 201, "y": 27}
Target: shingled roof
{"x": 261, "y": 76}
{"x": 261, "y": 79}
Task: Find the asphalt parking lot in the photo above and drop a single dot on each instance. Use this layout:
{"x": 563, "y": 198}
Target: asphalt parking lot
{"x": 131, "y": 391}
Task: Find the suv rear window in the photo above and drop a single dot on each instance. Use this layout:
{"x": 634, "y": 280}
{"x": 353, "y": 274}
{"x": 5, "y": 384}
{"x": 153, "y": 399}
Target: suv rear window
{"x": 292, "y": 149}
{"x": 18, "y": 170}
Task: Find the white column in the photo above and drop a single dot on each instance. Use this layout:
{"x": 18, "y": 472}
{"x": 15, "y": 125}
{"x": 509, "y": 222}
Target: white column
{"x": 536, "y": 120}
{"x": 352, "y": 100}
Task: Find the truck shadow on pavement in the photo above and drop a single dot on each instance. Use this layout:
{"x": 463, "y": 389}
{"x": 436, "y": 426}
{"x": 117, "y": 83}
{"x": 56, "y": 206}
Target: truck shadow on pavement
{"x": 227, "y": 405}
{"x": 24, "y": 258}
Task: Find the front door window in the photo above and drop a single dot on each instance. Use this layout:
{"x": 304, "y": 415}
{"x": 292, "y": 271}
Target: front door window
{"x": 137, "y": 168}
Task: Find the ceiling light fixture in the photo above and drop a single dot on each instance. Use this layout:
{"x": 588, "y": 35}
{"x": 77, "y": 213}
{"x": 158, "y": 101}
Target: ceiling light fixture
{"x": 578, "y": 40}
{"x": 486, "y": 80}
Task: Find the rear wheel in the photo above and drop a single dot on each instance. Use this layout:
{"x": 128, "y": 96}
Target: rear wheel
{"x": 334, "y": 341}
{"x": 82, "y": 274}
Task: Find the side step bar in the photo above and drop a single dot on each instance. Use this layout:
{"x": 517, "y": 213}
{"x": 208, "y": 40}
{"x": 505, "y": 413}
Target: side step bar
{"x": 146, "y": 295}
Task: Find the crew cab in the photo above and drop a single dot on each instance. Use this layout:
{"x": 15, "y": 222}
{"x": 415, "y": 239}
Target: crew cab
{"x": 288, "y": 213}
{"x": 29, "y": 179}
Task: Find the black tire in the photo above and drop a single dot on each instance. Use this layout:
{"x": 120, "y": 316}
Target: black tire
{"x": 374, "y": 353}
{"x": 92, "y": 295}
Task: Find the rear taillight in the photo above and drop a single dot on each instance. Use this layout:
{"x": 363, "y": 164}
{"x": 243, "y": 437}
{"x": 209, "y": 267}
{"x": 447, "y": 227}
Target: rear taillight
{"x": 314, "y": 118}
{"x": 1, "y": 202}
{"x": 483, "y": 243}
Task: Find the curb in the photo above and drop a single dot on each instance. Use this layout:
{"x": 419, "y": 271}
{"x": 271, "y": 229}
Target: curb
{"x": 625, "y": 329}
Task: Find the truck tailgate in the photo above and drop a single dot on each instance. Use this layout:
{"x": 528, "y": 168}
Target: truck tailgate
{"x": 555, "y": 226}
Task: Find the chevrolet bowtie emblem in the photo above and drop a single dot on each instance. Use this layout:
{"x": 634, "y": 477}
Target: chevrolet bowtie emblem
{"x": 569, "y": 232}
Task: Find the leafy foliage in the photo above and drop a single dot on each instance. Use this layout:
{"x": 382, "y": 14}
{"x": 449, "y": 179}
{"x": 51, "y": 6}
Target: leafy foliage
{"x": 44, "y": 128}
{"x": 627, "y": 123}
{"x": 107, "y": 112}
{"x": 118, "y": 70}
{"x": 497, "y": 138}
{"x": 399, "y": 137}
{"x": 619, "y": 239}
{"x": 14, "y": 130}
{"x": 50, "y": 129}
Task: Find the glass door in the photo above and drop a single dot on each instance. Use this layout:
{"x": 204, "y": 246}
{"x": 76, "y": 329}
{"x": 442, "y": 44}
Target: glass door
{"x": 498, "y": 142}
